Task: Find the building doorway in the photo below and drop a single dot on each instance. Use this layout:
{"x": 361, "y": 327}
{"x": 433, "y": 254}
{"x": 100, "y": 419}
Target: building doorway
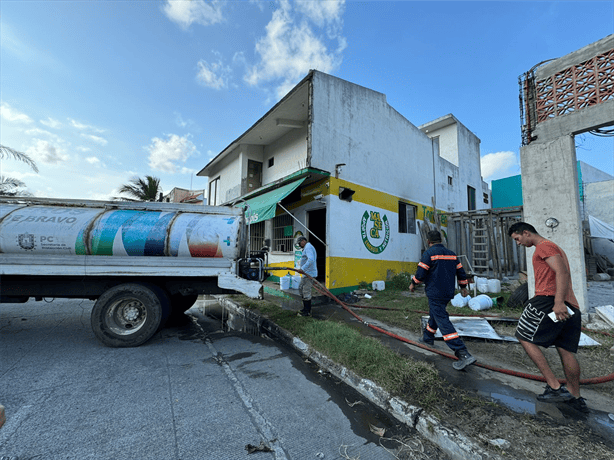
{"x": 316, "y": 220}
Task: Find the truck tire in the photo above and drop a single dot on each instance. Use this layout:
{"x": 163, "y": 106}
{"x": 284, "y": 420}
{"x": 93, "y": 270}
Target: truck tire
{"x": 128, "y": 315}
{"x": 519, "y": 297}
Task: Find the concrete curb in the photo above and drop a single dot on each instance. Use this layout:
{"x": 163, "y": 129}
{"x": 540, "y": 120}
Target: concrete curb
{"x": 453, "y": 443}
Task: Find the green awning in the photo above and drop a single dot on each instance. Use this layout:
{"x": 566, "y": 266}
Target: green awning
{"x": 263, "y": 206}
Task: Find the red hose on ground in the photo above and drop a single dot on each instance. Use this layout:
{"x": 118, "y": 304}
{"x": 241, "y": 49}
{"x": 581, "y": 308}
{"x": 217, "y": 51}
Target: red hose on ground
{"x": 321, "y": 289}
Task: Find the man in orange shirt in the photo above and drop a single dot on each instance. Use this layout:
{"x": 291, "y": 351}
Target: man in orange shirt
{"x": 553, "y": 295}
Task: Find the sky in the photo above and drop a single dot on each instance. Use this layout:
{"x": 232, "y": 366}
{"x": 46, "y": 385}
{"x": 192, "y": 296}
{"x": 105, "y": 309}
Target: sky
{"x": 100, "y": 92}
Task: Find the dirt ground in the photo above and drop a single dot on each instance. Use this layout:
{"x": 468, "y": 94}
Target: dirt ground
{"x": 543, "y": 431}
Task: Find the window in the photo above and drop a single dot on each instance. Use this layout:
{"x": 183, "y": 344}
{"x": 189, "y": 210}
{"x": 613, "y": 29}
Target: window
{"x": 283, "y": 240}
{"x": 271, "y": 162}
{"x": 470, "y": 198}
{"x": 485, "y": 198}
{"x": 407, "y": 218}
{"x": 256, "y": 236}
{"x": 449, "y": 180}
{"x": 214, "y": 190}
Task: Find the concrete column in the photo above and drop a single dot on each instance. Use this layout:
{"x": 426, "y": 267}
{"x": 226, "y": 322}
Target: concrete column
{"x": 550, "y": 189}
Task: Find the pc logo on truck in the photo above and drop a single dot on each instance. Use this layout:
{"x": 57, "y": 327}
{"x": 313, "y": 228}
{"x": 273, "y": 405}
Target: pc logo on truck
{"x": 379, "y": 224}
{"x": 26, "y": 241}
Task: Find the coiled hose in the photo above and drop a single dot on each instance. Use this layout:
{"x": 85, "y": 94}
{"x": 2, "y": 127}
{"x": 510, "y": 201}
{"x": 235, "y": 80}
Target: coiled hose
{"x": 321, "y": 289}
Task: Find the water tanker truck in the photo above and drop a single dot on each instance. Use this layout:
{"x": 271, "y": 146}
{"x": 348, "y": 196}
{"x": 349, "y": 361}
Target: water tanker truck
{"x": 141, "y": 262}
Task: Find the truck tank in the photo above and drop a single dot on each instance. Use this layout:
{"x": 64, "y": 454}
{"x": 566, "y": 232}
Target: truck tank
{"x": 74, "y": 230}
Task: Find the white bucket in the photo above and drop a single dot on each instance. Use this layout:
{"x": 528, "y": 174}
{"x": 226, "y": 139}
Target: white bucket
{"x": 494, "y": 286}
{"x": 296, "y": 281}
{"x": 481, "y": 302}
{"x": 378, "y": 285}
{"x": 483, "y": 287}
{"x": 284, "y": 282}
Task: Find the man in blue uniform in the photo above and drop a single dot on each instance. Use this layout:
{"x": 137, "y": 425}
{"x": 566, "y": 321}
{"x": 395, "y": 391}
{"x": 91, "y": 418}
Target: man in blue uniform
{"x": 438, "y": 269}
{"x": 309, "y": 265}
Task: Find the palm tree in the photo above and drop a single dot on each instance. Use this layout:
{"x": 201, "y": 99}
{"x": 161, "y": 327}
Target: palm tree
{"x": 139, "y": 189}
{"x": 10, "y": 186}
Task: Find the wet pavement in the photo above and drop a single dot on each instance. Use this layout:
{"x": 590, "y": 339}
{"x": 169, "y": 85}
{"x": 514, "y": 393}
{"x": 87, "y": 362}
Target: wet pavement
{"x": 195, "y": 391}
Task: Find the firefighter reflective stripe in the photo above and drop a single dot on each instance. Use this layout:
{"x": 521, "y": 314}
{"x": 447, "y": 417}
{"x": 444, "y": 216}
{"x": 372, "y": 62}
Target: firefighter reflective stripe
{"x": 461, "y": 282}
{"x": 459, "y": 266}
{"x": 442, "y": 257}
{"x": 416, "y": 280}
{"x": 430, "y": 329}
{"x": 423, "y": 265}
{"x": 452, "y": 336}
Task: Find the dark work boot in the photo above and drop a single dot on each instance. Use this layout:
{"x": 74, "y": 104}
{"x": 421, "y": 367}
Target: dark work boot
{"x": 306, "y": 311}
{"x": 464, "y": 359}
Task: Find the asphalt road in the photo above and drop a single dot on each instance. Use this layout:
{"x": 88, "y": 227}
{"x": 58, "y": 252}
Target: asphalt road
{"x": 189, "y": 393}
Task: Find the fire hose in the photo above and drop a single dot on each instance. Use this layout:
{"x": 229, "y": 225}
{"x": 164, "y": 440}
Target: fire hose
{"x": 323, "y": 290}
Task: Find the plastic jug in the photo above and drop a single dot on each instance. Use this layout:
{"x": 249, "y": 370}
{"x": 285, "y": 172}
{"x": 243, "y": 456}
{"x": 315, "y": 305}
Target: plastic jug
{"x": 285, "y": 282}
{"x": 481, "y": 302}
{"x": 296, "y": 281}
{"x": 378, "y": 285}
{"x": 483, "y": 287}
{"x": 494, "y": 286}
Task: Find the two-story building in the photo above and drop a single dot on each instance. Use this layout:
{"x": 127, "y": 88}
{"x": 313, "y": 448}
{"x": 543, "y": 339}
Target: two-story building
{"x": 335, "y": 162}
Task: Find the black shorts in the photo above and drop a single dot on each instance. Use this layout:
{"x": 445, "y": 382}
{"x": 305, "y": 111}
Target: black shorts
{"x": 535, "y": 325}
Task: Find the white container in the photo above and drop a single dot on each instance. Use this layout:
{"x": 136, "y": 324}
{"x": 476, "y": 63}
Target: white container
{"x": 460, "y": 301}
{"x": 378, "y": 285}
{"x": 285, "y": 282}
{"x": 483, "y": 287}
{"x": 481, "y": 302}
{"x": 494, "y": 286}
{"x": 296, "y": 281}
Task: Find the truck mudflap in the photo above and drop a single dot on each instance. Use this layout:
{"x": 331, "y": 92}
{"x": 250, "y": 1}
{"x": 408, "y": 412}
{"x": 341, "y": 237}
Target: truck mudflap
{"x": 251, "y": 289}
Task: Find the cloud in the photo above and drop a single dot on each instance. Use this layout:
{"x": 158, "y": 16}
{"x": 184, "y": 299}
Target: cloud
{"x": 45, "y": 152}
{"x": 97, "y": 139}
{"x": 290, "y": 49}
{"x": 81, "y": 126}
{"x": 51, "y": 123}
{"x": 41, "y": 132}
{"x": 499, "y": 165}
{"x": 10, "y": 114}
{"x": 164, "y": 154}
{"x": 92, "y": 160}
{"x": 179, "y": 121}
{"x": 185, "y": 13}
{"x": 213, "y": 75}
{"x": 322, "y": 12}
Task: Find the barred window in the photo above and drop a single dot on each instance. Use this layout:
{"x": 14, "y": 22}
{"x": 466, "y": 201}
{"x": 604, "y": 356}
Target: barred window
{"x": 283, "y": 240}
{"x": 256, "y": 236}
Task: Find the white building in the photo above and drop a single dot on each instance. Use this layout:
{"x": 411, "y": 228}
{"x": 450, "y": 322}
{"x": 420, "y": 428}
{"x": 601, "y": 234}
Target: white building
{"x": 333, "y": 161}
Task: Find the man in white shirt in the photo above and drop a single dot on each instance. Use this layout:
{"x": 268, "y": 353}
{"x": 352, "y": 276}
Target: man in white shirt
{"x": 309, "y": 266}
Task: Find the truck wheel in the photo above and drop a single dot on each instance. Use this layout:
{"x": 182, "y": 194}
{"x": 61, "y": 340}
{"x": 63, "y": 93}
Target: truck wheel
{"x": 129, "y": 314}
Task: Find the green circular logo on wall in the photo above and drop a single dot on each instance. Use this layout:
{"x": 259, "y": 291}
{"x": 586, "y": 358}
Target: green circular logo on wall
{"x": 380, "y": 224}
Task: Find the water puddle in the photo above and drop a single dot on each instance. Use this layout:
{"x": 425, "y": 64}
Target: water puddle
{"x": 516, "y": 404}
{"x": 226, "y": 319}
